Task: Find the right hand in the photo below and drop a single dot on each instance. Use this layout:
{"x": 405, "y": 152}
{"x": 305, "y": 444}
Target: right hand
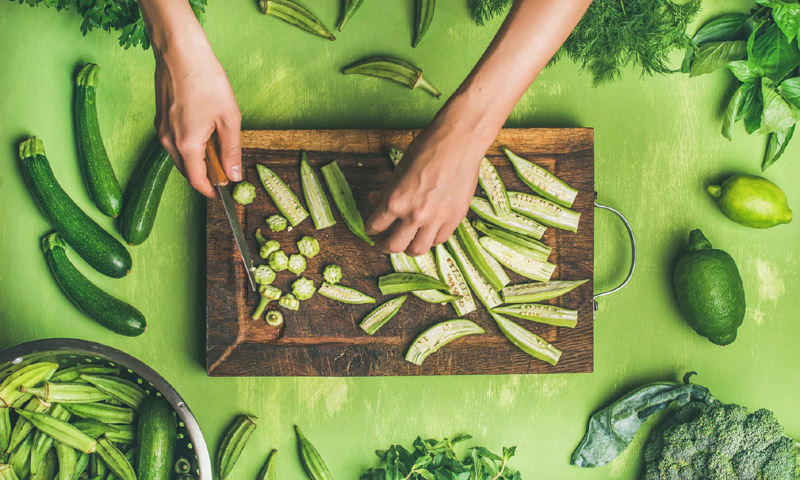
{"x": 193, "y": 99}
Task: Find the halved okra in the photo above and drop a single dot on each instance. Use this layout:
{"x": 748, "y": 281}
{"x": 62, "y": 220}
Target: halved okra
{"x": 282, "y": 196}
{"x": 344, "y": 294}
{"x": 264, "y": 274}
{"x": 513, "y": 222}
{"x": 533, "y": 247}
{"x": 60, "y": 431}
{"x": 123, "y": 390}
{"x": 115, "y": 460}
{"x": 308, "y": 246}
{"x": 487, "y": 295}
{"x": 315, "y": 197}
{"x": 268, "y": 248}
{"x": 439, "y": 335}
{"x": 544, "y": 211}
{"x": 537, "y": 312}
{"x": 526, "y": 340}
{"x": 102, "y": 412}
{"x": 27, "y": 376}
{"x": 491, "y": 270}
{"x": 403, "y": 263}
{"x": 493, "y": 187}
{"x": 409, "y": 282}
{"x": 7, "y": 472}
{"x": 67, "y": 393}
{"x": 343, "y": 199}
{"x": 382, "y": 314}
{"x": 452, "y": 276}
{"x": 541, "y": 181}
{"x": 294, "y": 14}
{"x": 395, "y": 70}
{"x": 233, "y": 443}
{"x": 538, "y": 291}
{"x": 518, "y": 261}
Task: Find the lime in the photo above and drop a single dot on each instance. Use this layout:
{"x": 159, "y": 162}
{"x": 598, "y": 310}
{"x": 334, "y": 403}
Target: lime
{"x": 752, "y": 201}
{"x": 709, "y": 290}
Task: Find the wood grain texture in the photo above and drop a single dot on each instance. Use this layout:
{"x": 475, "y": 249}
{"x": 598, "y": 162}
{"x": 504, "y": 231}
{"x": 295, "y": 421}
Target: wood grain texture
{"x": 323, "y": 338}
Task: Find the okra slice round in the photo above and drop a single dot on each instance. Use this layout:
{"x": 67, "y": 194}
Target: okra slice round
{"x": 310, "y": 458}
{"x": 513, "y": 221}
{"x": 277, "y": 223}
{"x": 278, "y": 261}
{"x": 409, "y": 282}
{"x": 73, "y": 374}
{"x": 20, "y": 458}
{"x": 282, "y": 196}
{"x": 297, "y": 264}
{"x": 487, "y": 295}
{"x": 315, "y": 197}
{"x": 289, "y": 302}
{"x": 5, "y": 430}
{"x": 537, "y": 312}
{"x": 60, "y": 431}
{"x": 491, "y": 270}
{"x": 527, "y": 341}
{"x": 332, "y": 274}
{"x": 27, "y": 376}
{"x": 67, "y": 461}
{"x": 519, "y": 262}
{"x": 382, "y": 314}
{"x": 545, "y": 211}
{"x": 7, "y": 473}
{"x": 67, "y": 393}
{"x": 308, "y": 246}
{"x": 344, "y": 294}
{"x": 233, "y": 443}
{"x": 493, "y": 187}
{"x": 23, "y": 427}
{"x": 274, "y": 318}
{"x": 541, "y": 181}
{"x": 538, "y": 291}
{"x": 343, "y": 199}
{"x": 535, "y": 248}
{"x": 439, "y": 335}
{"x": 303, "y": 288}
{"x": 123, "y": 390}
{"x": 395, "y": 70}
{"x": 402, "y": 263}
{"x": 452, "y": 276}
{"x": 264, "y": 275}
{"x": 125, "y": 434}
{"x": 94, "y": 428}
{"x": 268, "y": 248}
{"x": 294, "y": 14}
{"x": 43, "y": 443}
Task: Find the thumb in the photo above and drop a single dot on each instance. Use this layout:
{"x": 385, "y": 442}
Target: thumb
{"x": 375, "y": 197}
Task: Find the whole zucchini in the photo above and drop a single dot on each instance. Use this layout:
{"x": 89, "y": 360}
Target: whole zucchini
{"x": 103, "y": 252}
{"x": 157, "y": 434}
{"x": 144, "y": 194}
{"x": 96, "y": 168}
{"x": 106, "y": 310}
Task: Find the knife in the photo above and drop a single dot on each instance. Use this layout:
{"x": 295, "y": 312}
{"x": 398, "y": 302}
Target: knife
{"x": 218, "y": 179}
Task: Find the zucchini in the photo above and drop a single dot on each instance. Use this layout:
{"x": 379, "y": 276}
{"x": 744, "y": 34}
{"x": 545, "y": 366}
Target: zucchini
{"x": 282, "y": 196}
{"x": 100, "y": 180}
{"x": 344, "y": 294}
{"x": 114, "y": 314}
{"x": 537, "y": 312}
{"x": 157, "y": 433}
{"x": 144, "y": 194}
{"x": 100, "y": 250}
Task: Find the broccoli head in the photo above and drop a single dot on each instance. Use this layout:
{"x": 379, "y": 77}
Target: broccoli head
{"x": 715, "y": 441}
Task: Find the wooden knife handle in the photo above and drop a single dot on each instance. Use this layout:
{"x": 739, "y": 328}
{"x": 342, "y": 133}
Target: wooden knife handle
{"x": 216, "y": 175}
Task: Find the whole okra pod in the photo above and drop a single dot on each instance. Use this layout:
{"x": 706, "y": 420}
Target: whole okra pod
{"x": 233, "y": 443}
{"x": 312, "y": 461}
{"x": 294, "y": 14}
{"x": 423, "y": 17}
{"x": 395, "y": 70}
{"x": 60, "y": 431}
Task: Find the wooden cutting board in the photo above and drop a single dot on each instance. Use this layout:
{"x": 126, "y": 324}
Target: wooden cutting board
{"x": 323, "y": 338}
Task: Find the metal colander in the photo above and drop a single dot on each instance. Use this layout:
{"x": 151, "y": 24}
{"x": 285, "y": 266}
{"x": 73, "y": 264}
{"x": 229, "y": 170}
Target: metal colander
{"x": 69, "y": 352}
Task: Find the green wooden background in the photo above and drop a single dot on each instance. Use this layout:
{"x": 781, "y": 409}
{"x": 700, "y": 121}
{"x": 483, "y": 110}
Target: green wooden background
{"x": 657, "y": 146}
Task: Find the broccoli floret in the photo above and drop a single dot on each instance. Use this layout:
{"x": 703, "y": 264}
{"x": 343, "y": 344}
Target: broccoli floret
{"x": 715, "y": 441}
{"x": 244, "y": 193}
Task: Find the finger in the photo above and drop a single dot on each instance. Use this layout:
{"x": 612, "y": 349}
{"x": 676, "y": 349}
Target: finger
{"x": 230, "y": 145}
{"x": 169, "y": 146}
{"x": 445, "y": 232}
{"x": 380, "y": 220}
{"x": 402, "y": 235}
{"x": 375, "y": 197}
{"x": 195, "y": 165}
{"x": 423, "y": 241}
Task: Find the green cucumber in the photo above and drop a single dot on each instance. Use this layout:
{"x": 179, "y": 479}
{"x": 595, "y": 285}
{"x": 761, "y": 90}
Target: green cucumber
{"x": 513, "y": 222}
{"x": 343, "y": 199}
{"x": 452, "y": 276}
{"x": 100, "y": 250}
{"x": 537, "y": 312}
{"x": 541, "y": 181}
{"x": 282, "y": 196}
{"x": 439, "y": 335}
{"x": 536, "y": 291}
{"x": 112, "y": 313}
{"x": 315, "y": 197}
{"x": 544, "y": 211}
{"x": 144, "y": 194}
{"x": 487, "y": 295}
{"x": 157, "y": 434}
{"x": 518, "y": 261}
{"x": 100, "y": 180}
{"x": 493, "y": 187}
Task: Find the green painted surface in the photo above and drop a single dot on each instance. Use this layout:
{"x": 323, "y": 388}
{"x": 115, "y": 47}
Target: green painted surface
{"x": 657, "y": 146}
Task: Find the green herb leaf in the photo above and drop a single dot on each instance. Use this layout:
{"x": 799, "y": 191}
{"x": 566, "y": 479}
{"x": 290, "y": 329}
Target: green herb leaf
{"x": 712, "y": 56}
{"x": 732, "y": 26}
{"x": 776, "y": 146}
{"x": 790, "y": 91}
{"x": 778, "y": 115}
{"x": 731, "y": 112}
{"x": 752, "y": 106}
{"x": 772, "y": 53}
{"x": 744, "y": 71}
{"x": 787, "y": 17}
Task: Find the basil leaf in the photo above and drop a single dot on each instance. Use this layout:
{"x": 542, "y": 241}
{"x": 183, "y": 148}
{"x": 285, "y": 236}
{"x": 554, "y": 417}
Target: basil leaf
{"x": 787, "y": 18}
{"x": 776, "y": 146}
{"x": 731, "y": 112}
{"x": 772, "y": 53}
{"x": 726, "y": 27}
{"x": 712, "y": 56}
{"x": 790, "y": 91}
{"x": 778, "y": 115}
{"x": 744, "y": 71}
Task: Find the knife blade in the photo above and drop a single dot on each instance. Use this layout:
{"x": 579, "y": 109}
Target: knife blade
{"x": 218, "y": 179}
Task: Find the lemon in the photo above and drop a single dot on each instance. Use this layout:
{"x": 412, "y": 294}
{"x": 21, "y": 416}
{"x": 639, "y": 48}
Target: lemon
{"x": 752, "y": 201}
{"x": 709, "y": 290}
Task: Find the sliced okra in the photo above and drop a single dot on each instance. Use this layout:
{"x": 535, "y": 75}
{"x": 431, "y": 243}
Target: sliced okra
{"x": 123, "y": 390}
{"x": 382, "y": 314}
{"x": 60, "y": 431}
{"x": 491, "y": 270}
{"x": 125, "y": 434}
{"x": 527, "y": 341}
{"x": 513, "y": 221}
{"x": 332, "y": 274}
{"x": 233, "y": 444}
{"x": 395, "y": 70}
{"x": 282, "y": 196}
{"x": 423, "y": 17}
{"x": 537, "y": 312}
{"x": 541, "y": 181}
{"x": 439, "y": 335}
{"x": 303, "y": 288}
{"x": 7, "y": 473}
{"x": 297, "y": 264}
{"x": 277, "y": 223}
{"x": 67, "y": 393}
{"x": 294, "y": 14}
{"x": 545, "y": 211}
{"x": 402, "y": 263}
{"x": 452, "y": 276}
{"x": 105, "y": 413}
{"x": 344, "y": 294}
{"x": 343, "y": 199}
{"x": 46, "y": 468}
{"x": 316, "y": 200}
{"x": 27, "y": 376}
{"x": 487, "y": 295}
{"x": 264, "y": 274}
{"x": 518, "y": 261}
{"x": 538, "y": 291}
{"x": 267, "y": 293}
{"x": 535, "y": 248}
{"x": 493, "y": 187}
{"x": 308, "y": 246}
{"x": 409, "y": 282}
{"x": 289, "y": 302}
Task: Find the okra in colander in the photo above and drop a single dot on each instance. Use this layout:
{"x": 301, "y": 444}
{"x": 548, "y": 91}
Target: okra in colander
{"x": 23, "y": 427}
{"x": 491, "y": 270}
{"x": 73, "y": 374}
{"x": 315, "y": 197}
{"x": 344, "y": 294}
{"x": 60, "y": 431}
{"x": 42, "y": 442}
{"x": 67, "y": 458}
{"x": 537, "y": 312}
{"x": 526, "y": 340}
{"x": 408, "y": 282}
{"x": 343, "y": 199}
{"x": 67, "y": 393}
{"x": 115, "y": 460}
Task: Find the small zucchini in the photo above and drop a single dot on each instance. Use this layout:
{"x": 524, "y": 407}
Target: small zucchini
{"x": 423, "y": 17}
{"x": 493, "y": 187}
{"x": 343, "y": 199}
{"x": 315, "y": 198}
{"x": 518, "y": 261}
{"x": 100, "y": 250}
{"x": 544, "y": 211}
{"x": 439, "y": 335}
{"x": 487, "y": 295}
{"x": 527, "y": 341}
{"x": 110, "y": 312}
{"x": 395, "y": 70}
{"x": 491, "y": 270}
{"x": 294, "y": 14}
{"x": 344, "y": 294}
{"x": 513, "y": 222}
{"x": 282, "y": 196}
{"x": 143, "y": 194}
{"x": 402, "y": 263}
{"x": 233, "y": 443}
{"x": 382, "y": 314}
{"x": 408, "y": 282}
{"x": 157, "y": 433}
{"x": 533, "y": 247}
{"x": 312, "y": 461}
{"x": 537, "y": 312}
{"x": 541, "y": 181}
{"x": 536, "y": 292}
{"x": 452, "y": 276}
{"x": 100, "y": 180}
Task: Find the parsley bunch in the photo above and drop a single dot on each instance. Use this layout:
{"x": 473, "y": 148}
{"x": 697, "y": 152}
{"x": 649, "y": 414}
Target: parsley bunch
{"x": 437, "y": 459}
{"x": 118, "y": 15}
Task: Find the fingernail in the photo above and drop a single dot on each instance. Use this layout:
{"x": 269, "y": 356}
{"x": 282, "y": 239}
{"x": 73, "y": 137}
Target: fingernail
{"x": 236, "y": 173}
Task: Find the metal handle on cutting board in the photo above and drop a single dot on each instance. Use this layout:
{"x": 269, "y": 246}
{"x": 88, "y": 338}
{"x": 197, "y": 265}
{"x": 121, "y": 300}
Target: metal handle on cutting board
{"x": 633, "y": 251}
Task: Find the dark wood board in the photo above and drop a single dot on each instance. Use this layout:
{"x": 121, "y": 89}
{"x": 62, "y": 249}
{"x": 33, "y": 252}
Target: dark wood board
{"x": 323, "y": 338}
